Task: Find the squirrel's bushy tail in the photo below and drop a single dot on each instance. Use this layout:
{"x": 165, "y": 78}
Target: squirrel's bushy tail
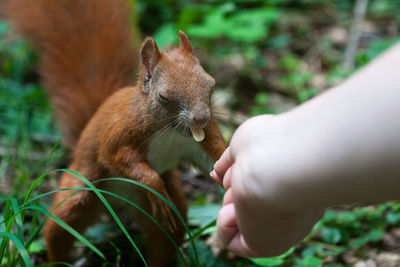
{"x": 88, "y": 50}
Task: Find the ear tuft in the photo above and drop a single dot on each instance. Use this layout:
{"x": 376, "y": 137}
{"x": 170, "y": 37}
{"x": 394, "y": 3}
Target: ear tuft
{"x": 149, "y": 57}
{"x": 185, "y": 44}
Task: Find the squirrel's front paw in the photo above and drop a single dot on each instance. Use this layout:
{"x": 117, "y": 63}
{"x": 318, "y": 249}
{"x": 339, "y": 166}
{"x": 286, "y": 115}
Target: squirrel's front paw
{"x": 163, "y": 214}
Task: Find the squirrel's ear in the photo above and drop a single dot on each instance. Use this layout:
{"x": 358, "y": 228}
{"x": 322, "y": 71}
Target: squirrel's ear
{"x": 185, "y": 44}
{"x": 149, "y": 57}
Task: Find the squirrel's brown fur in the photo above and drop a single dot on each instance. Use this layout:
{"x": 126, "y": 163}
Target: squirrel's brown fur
{"x": 139, "y": 132}
{"x": 87, "y": 52}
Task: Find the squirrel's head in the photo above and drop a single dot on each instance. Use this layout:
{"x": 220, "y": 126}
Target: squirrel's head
{"x": 177, "y": 88}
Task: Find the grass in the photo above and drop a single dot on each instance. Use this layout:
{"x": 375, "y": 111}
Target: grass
{"x": 14, "y": 216}
{"x": 336, "y": 234}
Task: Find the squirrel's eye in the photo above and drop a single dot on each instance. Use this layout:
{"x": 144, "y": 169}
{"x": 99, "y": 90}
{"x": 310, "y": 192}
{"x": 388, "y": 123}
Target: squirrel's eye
{"x": 163, "y": 99}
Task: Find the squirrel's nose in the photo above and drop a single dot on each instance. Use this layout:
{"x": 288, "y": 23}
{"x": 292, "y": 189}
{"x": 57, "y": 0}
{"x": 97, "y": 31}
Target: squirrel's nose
{"x": 200, "y": 118}
{"x": 200, "y": 121}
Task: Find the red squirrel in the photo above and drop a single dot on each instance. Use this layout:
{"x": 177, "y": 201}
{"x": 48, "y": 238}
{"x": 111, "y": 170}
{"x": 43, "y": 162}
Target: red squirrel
{"x": 139, "y": 132}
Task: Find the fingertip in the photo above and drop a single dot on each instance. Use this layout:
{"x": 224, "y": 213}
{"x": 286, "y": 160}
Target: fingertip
{"x": 238, "y": 246}
{"x": 224, "y": 163}
{"x": 215, "y": 177}
{"x": 226, "y": 224}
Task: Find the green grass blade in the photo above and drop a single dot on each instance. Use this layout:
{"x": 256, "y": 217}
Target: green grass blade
{"x": 18, "y": 219}
{"x": 34, "y": 221}
{"x": 20, "y": 247}
{"x": 200, "y": 231}
{"x": 98, "y": 193}
{"x": 76, "y": 189}
{"x": 109, "y": 208}
{"x": 6, "y": 221}
{"x": 171, "y": 205}
{"x": 34, "y": 234}
{"x": 95, "y": 190}
{"x": 67, "y": 228}
{"x": 33, "y": 186}
{"x": 38, "y": 197}
{"x": 20, "y": 231}
{"x": 54, "y": 148}
{"x": 151, "y": 218}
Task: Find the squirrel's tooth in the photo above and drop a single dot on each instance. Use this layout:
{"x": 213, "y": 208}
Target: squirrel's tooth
{"x": 198, "y": 134}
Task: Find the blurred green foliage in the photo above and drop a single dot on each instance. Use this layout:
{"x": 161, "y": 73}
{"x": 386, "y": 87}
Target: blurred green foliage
{"x": 248, "y": 31}
{"x": 25, "y": 114}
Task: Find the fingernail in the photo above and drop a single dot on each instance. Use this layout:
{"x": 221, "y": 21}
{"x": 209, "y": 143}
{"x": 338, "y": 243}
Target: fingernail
{"x": 213, "y": 174}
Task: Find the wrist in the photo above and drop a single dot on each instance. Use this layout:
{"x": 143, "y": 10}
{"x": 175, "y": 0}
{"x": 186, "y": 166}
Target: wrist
{"x": 349, "y": 150}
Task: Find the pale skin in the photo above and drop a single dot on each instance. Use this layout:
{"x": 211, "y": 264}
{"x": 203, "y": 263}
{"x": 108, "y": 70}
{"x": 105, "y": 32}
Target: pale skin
{"x": 281, "y": 172}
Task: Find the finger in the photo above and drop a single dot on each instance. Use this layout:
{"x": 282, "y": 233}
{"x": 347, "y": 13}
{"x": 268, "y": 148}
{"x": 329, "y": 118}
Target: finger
{"x": 226, "y": 224}
{"x": 227, "y": 180}
{"x": 238, "y": 246}
{"x": 223, "y": 164}
{"x": 227, "y": 197}
{"x": 215, "y": 177}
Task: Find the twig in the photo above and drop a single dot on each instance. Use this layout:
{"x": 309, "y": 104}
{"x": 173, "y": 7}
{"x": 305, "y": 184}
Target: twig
{"x": 360, "y": 10}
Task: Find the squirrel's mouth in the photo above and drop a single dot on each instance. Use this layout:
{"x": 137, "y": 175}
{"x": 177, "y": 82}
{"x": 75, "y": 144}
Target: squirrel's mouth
{"x": 186, "y": 131}
{"x": 196, "y": 133}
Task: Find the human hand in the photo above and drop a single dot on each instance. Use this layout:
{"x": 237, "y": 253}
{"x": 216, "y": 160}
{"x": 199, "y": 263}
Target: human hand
{"x": 259, "y": 217}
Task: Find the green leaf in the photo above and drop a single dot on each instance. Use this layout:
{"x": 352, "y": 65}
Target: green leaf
{"x": 261, "y": 98}
{"x": 276, "y": 261}
{"x": 345, "y": 217}
{"x": 251, "y": 25}
{"x": 289, "y": 62}
{"x": 273, "y": 261}
{"x": 392, "y": 217}
{"x": 247, "y": 33}
{"x": 201, "y": 215}
{"x": 373, "y": 235}
{"x": 306, "y": 94}
{"x": 331, "y": 235}
{"x": 214, "y": 26}
{"x": 37, "y": 246}
{"x": 312, "y": 250}
{"x": 310, "y": 262}
{"x": 205, "y": 255}
{"x": 166, "y": 35}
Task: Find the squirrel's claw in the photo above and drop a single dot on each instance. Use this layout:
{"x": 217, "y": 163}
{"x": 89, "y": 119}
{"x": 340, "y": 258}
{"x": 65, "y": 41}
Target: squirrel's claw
{"x": 163, "y": 214}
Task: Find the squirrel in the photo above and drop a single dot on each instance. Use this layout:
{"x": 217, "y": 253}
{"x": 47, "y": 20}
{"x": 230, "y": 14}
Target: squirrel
{"x": 89, "y": 56}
